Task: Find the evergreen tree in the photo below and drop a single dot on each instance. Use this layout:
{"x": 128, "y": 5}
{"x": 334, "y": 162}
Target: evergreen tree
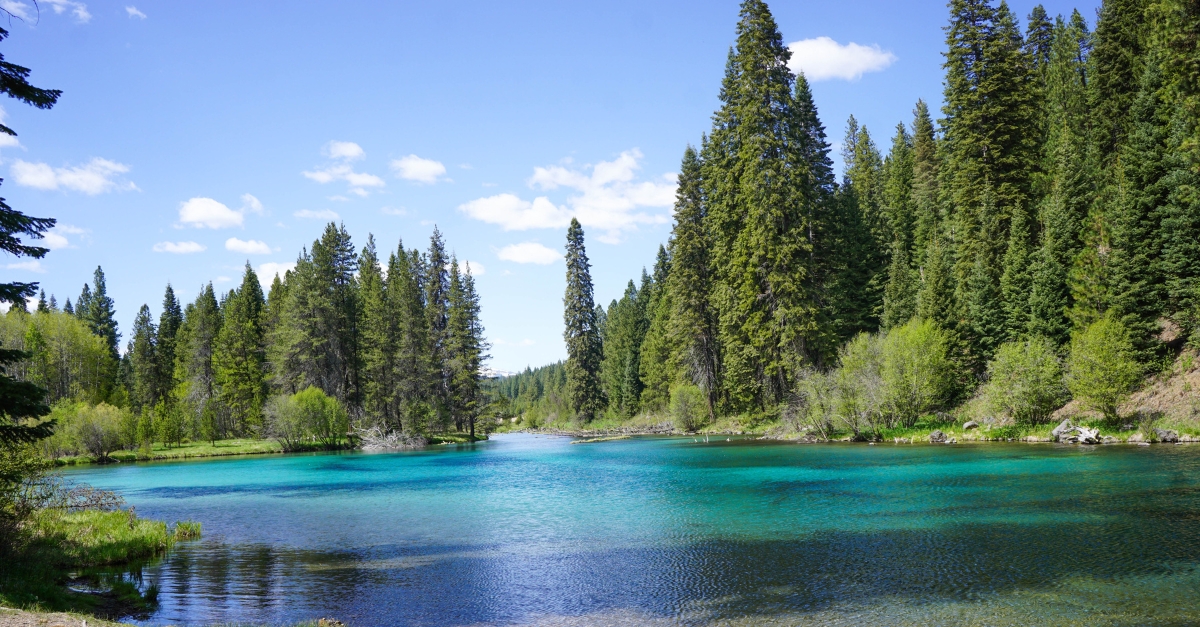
{"x": 863, "y": 236}
{"x": 900, "y": 294}
{"x": 925, "y": 189}
{"x": 465, "y": 346}
{"x": 437, "y": 303}
{"x": 142, "y": 354}
{"x": 169, "y": 322}
{"x": 100, "y": 314}
{"x": 1117, "y": 59}
{"x": 413, "y": 361}
{"x": 693, "y": 321}
{"x": 584, "y": 350}
{"x": 42, "y": 306}
{"x": 194, "y": 367}
{"x": 378, "y": 327}
{"x": 657, "y": 366}
{"x": 239, "y": 354}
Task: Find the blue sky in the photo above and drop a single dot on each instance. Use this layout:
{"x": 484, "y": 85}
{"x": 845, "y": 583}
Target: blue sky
{"x": 192, "y": 137}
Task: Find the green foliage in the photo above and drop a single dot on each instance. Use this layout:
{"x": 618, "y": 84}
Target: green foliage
{"x": 1102, "y": 369}
{"x": 689, "y": 407}
{"x": 581, "y": 333}
{"x": 859, "y": 393}
{"x": 86, "y": 429}
{"x": 63, "y": 356}
{"x": 239, "y": 356}
{"x": 916, "y": 371}
{"x": 310, "y": 415}
{"x": 1025, "y": 381}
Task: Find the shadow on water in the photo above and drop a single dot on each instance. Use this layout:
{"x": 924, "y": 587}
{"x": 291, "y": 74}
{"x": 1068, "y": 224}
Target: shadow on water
{"x": 689, "y": 583}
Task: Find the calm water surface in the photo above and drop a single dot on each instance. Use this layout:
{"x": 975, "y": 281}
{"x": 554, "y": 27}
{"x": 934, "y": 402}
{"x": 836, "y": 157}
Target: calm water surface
{"x": 668, "y": 531}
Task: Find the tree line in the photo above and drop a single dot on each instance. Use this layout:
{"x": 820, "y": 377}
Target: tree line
{"x": 1057, "y": 190}
{"x": 396, "y": 342}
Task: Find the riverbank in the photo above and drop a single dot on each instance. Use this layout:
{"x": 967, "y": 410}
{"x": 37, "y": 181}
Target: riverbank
{"x": 66, "y": 562}
{"x": 10, "y": 617}
{"x": 224, "y": 448}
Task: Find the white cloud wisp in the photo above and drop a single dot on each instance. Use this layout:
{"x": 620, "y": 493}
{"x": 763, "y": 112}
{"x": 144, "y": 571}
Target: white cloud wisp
{"x": 822, "y": 59}
{"x": 607, "y": 198}
{"x": 179, "y": 248}
{"x": 529, "y": 252}
{"x": 206, "y": 213}
{"x": 95, "y": 177}
{"x": 250, "y": 247}
{"x": 414, "y": 168}
{"x": 323, "y": 214}
{"x": 343, "y": 153}
{"x": 133, "y": 12}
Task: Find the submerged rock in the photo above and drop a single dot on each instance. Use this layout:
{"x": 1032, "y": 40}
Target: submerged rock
{"x": 971, "y": 424}
{"x": 1166, "y": 435}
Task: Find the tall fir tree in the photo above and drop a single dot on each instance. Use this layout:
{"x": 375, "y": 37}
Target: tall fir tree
{"x": 584, "y": 350}
{"x": 693, "y": 322}
{"x": 378, "y": 328}
{"x": 437, "y": 302}
{"x": 239, "y": 356}
{"x": 142, "y": 354}
{"x": 169, "y": 322}
{"x": 466, "y": 349}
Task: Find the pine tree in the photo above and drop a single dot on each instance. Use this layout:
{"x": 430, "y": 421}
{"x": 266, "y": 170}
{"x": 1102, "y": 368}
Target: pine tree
{"x": 100, "y": 313}
{"x": 437, "y": 302}
{"x": 465, "y": 348}
{"x": 143, "y": 362}
{"x": 657, "y": 367}
{"x": 925, "y": 207}
{"x": 239, "y": 355}
{"x": 169, "y": 322}
{"x": 863, "y": 237}
{"x": 378, "y": 327}
{"x": 194, "y": 367}
{"x": 900, "y": 294}
{"x": 584, "y": 350}
{"x": 413, "y": 363}
{"x": 1117, "y": 59}
{"x": 693, "y": 322}
{"x": 42, "y": 306}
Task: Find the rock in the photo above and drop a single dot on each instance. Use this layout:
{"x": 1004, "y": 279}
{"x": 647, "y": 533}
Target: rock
{"x": 1108, "y": 439}
{"x": 937, "y": 437}
{"x": 1127, "y": 427}
{"x": 952, "y": 441}
{"x": 1063, "y": 429}
{"x": 1143, "y": 444}
{"x": 971, "y": 424}
{"x": 1166, "y": 435}
{"x": 1137, "y": 438}
{"x": 1088, "y": 436}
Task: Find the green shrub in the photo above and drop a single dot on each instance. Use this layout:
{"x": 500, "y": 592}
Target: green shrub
{"x": 1103, "y": 369}
{"x": 859, "y": 384}
{"x": 186, "y": 530}
{"x": 815, "y": 403}
{"x": 308, "y": 415}
{"x": 1025, "y": 381}
{"x": 689, "y": 408}
{"x": 917, "y": 372}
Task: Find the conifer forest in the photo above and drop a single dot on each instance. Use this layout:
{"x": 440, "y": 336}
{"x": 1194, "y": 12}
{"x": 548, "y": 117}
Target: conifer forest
{"x": 1045, "y": 220}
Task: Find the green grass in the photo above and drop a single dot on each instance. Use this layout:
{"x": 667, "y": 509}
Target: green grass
{"x": 65, "y": 547}
{"x": 186, "y": 450}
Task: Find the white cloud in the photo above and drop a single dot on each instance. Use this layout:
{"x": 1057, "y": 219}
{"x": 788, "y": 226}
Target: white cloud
{"x": 208, "y": 213}
{"x": 18, "y": 9}
{"x": 414, "y": 168}
{"x": 822, "y": 59}
{"x": 606, "y": 198}
{"x": 133, "y": 12}
{"x": 31, "y": 266}
{"x": 179, "y": 248}
{"x": 346, "y": 151}
{"x": 96, "y": 177}
{"x": 222, "y": 279}
{"x": 529, "y": 252}
{"x": 77, "y": 9}
{"x": 504, "y": 342}
{"x": 251, "y": 247}
{"x": 474, "y": 267}
{"x": 323, "y": 214}
{"x": 268, "y": 270}
{"x": 391, "y": 211}
{"x": 251, "y": 204}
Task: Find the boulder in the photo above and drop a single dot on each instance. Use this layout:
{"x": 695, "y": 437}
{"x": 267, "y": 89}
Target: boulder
{"x": 1064, "y": 429}
{"x": 1137, "y": 438}
{"x": 1108, "y": 439}
{"x": 937, "y": 437}
{"x": 1127, "y": 427}
{"x": 971, "y": 424}
{"x": 1166, "y": 435}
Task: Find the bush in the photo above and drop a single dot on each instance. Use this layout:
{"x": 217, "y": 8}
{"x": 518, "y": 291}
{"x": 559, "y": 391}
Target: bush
{"x": 98, "y": 430}
{"x": 859, "y": 384}
{"x": 689, "y": 408}
{"x": 1025, "y": 381}
{"x": 1103, "y": 369}
{"x": 814, "y": 405}
{"x": 306, "y": 415}
{"x": 917, "y": 373}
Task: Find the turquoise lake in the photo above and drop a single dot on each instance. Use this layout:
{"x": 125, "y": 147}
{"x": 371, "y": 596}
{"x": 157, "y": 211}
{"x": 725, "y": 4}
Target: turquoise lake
{"x": 532, "y": 530}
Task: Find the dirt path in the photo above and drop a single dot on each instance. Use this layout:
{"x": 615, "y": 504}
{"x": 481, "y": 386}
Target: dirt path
{"x": 20, "y": 618}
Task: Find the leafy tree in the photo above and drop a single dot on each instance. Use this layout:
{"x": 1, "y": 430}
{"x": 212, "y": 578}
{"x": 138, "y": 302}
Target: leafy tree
{"x": 1103, "y": 369}
{"x": 1025, "y": 380}
{"x": 584, "y": 350}
{"x": 916, "y": 371}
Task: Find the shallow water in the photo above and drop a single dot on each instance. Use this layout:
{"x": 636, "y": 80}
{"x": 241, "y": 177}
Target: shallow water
{"x": 532, "y": 530}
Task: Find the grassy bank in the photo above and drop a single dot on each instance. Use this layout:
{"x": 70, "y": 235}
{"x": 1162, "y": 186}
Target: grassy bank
{"x": 61, "y": 565}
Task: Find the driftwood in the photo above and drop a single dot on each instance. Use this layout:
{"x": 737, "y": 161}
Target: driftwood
{"x": 376, "y": 439}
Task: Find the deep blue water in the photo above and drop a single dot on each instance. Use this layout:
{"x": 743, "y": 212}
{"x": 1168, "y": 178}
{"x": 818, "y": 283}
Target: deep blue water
{"x": 533, "y": 530}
